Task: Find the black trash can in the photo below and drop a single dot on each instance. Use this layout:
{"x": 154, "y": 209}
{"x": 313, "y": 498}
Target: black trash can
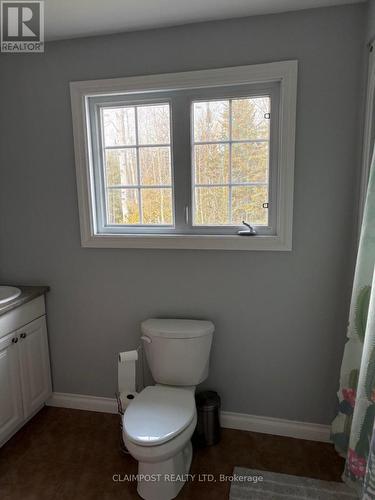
{"x": 207, "y": 432}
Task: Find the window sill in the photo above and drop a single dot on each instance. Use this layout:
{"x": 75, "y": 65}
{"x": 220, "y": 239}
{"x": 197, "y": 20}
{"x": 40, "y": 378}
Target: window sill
{"x": 189, "y": 242}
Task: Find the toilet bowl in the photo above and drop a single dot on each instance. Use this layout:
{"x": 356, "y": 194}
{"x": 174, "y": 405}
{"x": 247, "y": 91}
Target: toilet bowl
{"x": 159, "y": 422}
{"x": 157, "y": 429}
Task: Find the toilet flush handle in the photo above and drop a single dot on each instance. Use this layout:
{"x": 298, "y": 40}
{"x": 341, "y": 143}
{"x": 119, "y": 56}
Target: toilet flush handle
{"x": 146, "y": 339}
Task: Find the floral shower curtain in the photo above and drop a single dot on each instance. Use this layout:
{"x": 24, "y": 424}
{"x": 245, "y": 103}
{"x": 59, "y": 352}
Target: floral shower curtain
{"x": 352, "y": 428}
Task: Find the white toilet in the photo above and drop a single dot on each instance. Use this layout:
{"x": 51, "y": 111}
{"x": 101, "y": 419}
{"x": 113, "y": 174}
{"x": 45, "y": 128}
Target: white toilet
{"x": 159, "y": 422}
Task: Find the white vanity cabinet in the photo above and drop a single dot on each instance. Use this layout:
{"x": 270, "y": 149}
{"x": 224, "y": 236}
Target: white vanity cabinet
{"x": 25, "y": 379}
{"x": 11, "y": 411}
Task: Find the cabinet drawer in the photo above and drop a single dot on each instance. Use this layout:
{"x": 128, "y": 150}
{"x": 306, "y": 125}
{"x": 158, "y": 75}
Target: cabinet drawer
{"x": 21, "y": 316}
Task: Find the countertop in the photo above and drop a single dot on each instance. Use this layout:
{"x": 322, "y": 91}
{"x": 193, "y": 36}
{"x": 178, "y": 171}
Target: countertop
{"x": 27, "y": 293}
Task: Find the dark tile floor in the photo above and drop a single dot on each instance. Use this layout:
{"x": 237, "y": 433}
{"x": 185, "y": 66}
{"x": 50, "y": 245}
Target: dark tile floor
{"x": 73, "y": 455}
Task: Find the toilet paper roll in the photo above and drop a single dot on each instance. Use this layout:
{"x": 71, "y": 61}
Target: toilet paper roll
{"x": 128, "y": 356}
{"x": 126, "y": 371}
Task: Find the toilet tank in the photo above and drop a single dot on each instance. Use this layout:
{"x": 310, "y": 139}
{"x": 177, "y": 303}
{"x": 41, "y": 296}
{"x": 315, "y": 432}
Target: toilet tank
{"x": 177, "y": 350}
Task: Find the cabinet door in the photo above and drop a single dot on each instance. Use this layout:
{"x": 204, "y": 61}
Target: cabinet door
{"x": 35, "y": 367}
{"x": 11, "y": 414}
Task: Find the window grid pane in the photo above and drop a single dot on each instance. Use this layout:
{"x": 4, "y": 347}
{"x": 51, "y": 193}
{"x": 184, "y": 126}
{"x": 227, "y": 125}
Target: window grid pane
{"x": 127, "y": 186}
{"x": 123, "y": 206}
{"x": 211, "y": 164}
{"x": 119, "y": 126}
{"x": 254, "y": 190}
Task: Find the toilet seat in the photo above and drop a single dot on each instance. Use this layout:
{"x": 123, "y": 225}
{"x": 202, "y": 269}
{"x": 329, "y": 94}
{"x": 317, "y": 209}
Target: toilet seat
{"x": 158, "y": 414}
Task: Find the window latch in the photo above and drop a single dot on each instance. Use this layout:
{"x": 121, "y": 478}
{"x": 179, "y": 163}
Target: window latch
{"x": 250, "y": 231}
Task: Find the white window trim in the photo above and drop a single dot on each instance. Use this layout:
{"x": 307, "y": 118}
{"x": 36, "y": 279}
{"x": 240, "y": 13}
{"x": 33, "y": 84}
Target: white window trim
{"x": 284, "y": 72}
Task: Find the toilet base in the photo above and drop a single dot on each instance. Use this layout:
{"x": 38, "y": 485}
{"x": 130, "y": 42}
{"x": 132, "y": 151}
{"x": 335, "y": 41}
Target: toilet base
{"x": 164, "y": 480}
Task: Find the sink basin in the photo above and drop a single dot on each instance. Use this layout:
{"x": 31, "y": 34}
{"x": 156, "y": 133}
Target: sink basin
{"x": 8, "y": 293}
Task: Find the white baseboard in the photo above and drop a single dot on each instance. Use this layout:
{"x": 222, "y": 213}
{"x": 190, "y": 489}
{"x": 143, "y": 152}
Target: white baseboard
{"x": 230, "y": 420}
{"x": 81, "y": 402}
{"x": 276, "y": 426}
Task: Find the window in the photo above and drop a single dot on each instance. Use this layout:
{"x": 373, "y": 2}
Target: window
{"x": 231, "y": 140}
{"x": 181, "y": 160}
{"x": 136, "y": 168}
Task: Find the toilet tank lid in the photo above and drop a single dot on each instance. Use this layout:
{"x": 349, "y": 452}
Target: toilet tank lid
{"x": 177, "y": 328}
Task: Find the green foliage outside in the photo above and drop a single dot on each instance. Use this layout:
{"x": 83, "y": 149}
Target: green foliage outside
{"x": 222, "y": 170}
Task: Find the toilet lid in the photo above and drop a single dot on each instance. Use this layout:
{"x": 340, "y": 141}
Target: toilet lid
{"x": 158, "y": 414}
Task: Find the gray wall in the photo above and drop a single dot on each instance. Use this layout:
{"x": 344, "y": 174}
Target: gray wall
{"x": 370, "y": 35}
{"x": 280, "y": 317}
